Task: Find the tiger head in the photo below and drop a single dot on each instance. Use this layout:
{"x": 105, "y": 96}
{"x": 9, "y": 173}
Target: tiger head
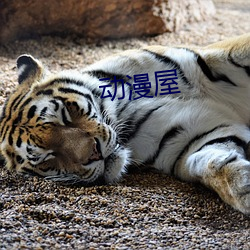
{"x": 52, "y": 126}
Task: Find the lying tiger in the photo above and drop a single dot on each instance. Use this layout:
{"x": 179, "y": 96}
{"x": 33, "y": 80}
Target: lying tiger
{"x": 184, "y": 111}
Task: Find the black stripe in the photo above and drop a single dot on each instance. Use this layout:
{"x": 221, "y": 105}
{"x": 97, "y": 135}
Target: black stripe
{"x": 112, "y": 78}
{"x": 3, "y": 114}
{"x": 89, "y": 109}
{"x": 166, "y": 137}
{"x": 31, "y": 112}
{"x": 10, "y": 109}
{"x": 73, "y": 91}
{"x": 44, "y": 125}
{"x": 209, "y": 74}
{"x": 231, "y": 160}
{"x": 16, "y": 121}
{"x": 3, "y": 124}
{"x": 125, "y": 105}
{"x": 102, "y": 107}
{"x": 75, "y": 104}
{"x": 64, "y": 117}
{"x": 109, "y": 131}
{"x": 171, "y": 62}
{"x": 34, "y": 158}
{"x": 97, "y": 92}
{"x": 124, "y": 132}
{"x": 94, "y": 116}
{"x": 31, "y": 172}
{"x": 70, "y": 91}
{"x": 29, "y": 149}
{"x": 19, "y": 159}
{"x": 47, "y": 168}
{"x": 103, "y": 74}
{"x": 10, "y": 139}
{"x": 60, "y": 98}
{"x": 19, "y": 142}
{"x": 43, "y": 111}
{"x": 21, "y": 131}
{"x": 3, "y": 134}
{"x": 26, "y": 103}
{"x": 13, "y": 128}
{"x": 3, "y": 127}
{"x": 9, "y": 154}
{"x": 232, "y": 138}
{"x": 10, "y": 113}
{"x": 205, "y": 69}
{"x": 193, "y": 140}
{"x": 56, "y": 105}
{"x": 136, "y": 125}
{"x": 67, "y": 81}
{"x": 19, "y": 118}
{"x": 45, "y": 92}
{"x": 2, "y": 161}
{"x": 231, "y": 60}
{"x": 212, "y": 76}
{"x": 17, "y": 101}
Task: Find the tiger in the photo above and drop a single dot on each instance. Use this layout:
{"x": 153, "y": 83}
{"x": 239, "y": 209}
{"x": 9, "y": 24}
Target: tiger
{"x": 181, "y": 110}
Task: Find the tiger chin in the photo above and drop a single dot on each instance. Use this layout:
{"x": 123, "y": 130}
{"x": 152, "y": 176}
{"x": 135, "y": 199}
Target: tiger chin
{"x": 193, "y": 124}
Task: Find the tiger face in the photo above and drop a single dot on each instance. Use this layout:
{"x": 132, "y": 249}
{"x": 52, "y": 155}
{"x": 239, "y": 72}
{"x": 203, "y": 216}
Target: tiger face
{"x": 52, "y": 127}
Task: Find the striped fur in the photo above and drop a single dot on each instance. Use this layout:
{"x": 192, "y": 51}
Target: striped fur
{"x": 59, "y": 127}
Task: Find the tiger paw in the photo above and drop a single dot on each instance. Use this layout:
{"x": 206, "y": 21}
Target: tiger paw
{"x": 232, "y": 182}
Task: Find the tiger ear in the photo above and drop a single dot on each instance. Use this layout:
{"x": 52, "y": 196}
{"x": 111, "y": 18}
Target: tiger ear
{"x": 30, "y": 70}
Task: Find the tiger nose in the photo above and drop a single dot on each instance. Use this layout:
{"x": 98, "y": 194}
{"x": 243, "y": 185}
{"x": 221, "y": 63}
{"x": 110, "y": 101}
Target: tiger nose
{"x": 96, "y": 153}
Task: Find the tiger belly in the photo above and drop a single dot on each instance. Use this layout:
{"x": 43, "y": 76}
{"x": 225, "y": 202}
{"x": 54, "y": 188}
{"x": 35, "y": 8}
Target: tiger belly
{"x": 161, "y": 133}
{"x": 198, "y": 141}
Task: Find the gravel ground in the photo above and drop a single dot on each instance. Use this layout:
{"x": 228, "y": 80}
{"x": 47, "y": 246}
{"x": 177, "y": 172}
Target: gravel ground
{"x": 144, "y": 211}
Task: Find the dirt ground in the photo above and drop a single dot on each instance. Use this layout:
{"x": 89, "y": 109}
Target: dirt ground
{"x": 145, "y": 210}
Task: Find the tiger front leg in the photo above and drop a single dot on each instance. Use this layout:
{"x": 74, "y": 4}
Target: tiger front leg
{"x": 224, "y": 170}
{"x": 230, "y": 178}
